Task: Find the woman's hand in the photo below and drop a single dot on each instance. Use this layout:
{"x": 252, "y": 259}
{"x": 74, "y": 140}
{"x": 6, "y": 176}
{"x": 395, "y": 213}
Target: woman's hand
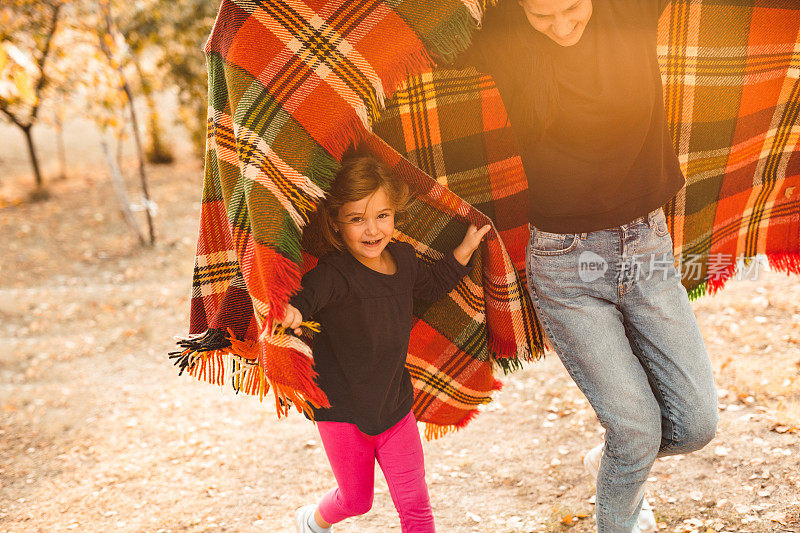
{"x": 472, "y": 239}
{"x": 292, "y": 319}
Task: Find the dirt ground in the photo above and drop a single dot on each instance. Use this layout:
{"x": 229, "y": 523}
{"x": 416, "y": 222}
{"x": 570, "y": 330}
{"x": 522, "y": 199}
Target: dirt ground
{"x": 98, "y": 433}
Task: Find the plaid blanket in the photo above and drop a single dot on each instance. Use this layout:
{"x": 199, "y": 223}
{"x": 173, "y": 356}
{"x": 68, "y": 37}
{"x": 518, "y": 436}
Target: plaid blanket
{"x": 732, "y": 90}
{"x": 292, "y": 83}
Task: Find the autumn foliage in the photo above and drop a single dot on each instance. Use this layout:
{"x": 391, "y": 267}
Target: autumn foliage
{"x": 93, "y": 58}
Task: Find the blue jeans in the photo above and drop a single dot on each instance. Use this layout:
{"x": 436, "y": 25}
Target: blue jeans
{"x": 613, "y": 307}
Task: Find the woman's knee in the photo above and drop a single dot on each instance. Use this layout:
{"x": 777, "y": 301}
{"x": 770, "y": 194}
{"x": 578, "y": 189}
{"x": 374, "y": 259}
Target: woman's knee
{"x": 695, "y": 431}
{"x": 635, "y": 440}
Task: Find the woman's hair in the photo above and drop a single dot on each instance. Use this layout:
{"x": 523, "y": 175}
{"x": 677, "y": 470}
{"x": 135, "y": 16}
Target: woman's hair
{"x": 519, "y": 66}
{"x": 360, "y": 176}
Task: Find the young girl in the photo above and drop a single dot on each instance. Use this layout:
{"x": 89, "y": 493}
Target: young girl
{"x": 362, "y": 296}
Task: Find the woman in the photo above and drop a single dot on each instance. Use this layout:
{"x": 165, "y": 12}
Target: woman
{"x": 582, "y": 87}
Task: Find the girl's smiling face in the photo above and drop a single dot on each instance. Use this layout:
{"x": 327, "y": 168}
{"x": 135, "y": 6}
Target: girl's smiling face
{"x": 366, "y": 226}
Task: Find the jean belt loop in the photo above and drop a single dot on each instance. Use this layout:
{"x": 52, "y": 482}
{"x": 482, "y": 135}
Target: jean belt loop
{"x": 651, "y": 216}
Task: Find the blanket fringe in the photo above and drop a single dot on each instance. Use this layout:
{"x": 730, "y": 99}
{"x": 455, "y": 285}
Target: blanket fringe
{"x": 453, "y": 37}
{"x": 356, "y": 130}
{"x": 513, "y": 354}
{"x": 781, "y": 262}
{"x": 785, "y": 262}
{"x": 718, "y": 281}
{"x": 211, "y": 340}
{"x": 508, "y": 364}
{"x": 284, "y": 281}
{"x": 303, "y": 392}
{"x": 323, "y": 171}
{"x": 348, "y": 134}
{"x": 697, "y": 292}
{"x": 217, "y": 358}
{"x": 435, "y": 431}
{"x": 413, "y": 64}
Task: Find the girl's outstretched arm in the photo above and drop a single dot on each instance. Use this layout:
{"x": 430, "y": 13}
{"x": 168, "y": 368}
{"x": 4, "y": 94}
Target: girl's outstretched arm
{"x": 320, "y": 286}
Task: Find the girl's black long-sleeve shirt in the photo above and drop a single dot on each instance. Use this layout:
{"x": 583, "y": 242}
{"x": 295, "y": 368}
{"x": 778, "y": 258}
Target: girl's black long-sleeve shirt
{"x": 607, "y": 158}
{"x": 366, "y": 320}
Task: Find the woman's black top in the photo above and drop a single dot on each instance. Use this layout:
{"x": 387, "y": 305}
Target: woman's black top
{"x": 366, "y": 323}
{"x": 607, "y": 157}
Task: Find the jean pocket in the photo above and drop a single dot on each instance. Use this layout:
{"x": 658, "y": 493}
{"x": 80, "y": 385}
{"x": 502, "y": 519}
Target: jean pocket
{"x": 660, "y": 224}
{"x": 546, "y": 243}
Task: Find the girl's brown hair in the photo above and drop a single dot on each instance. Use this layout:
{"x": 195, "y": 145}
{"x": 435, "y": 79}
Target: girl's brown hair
{"x": 360, "y": 176}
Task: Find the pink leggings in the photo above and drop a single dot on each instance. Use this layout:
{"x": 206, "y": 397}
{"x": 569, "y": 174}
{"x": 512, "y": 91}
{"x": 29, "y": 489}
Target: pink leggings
{"x": 352, "y": 455}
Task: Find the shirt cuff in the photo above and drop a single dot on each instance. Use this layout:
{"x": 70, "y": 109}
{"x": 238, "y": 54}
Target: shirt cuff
{"x": 462, "y": 270}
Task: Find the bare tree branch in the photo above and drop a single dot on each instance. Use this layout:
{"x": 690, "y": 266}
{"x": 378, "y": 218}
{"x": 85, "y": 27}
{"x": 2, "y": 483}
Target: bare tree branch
{"x": 56, "y": 9}
{"x": 11, "y": 116}
{"x": 102, "y": 32}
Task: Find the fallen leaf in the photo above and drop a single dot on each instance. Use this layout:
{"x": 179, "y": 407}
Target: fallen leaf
{"x": 781, "y": 428}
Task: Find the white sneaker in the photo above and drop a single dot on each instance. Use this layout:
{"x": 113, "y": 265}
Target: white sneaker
{"x": 592, "y": 459}
{"x": 647, "y": 519}
{"x": 301, "y": 518}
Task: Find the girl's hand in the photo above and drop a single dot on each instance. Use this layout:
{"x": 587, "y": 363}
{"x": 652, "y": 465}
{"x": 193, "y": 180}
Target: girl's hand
{"x": 292, "y": 319}
{"x": 472, "y": 239}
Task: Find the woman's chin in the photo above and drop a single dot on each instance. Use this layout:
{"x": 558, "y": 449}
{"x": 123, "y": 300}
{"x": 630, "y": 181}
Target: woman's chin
{"x": 570, "y": 40}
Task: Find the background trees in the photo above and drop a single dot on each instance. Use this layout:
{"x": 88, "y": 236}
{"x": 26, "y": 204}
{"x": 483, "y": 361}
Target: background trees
{"x": 52, "y": 50}
{"x": 109, "y": 61}
{"x": 27, "y": 32}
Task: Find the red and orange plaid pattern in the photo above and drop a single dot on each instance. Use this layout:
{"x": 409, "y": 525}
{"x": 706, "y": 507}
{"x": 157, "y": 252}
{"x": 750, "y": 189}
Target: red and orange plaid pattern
{"x": 292, "y": 83}
{"x": 731, "y": 75}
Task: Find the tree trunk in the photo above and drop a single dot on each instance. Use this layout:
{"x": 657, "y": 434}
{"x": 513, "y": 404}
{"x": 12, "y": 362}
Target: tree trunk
{"x": 26, "y": 125}
{"x": 140, "y": 155}
{"x": 119, "y": 188}
{"x": 32, "y": 153}
{"x": 62, "y": 149}
{"x": 121, "y": 140}
{"x": 157, "y": 153}
{"x": 106, "y": 10}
